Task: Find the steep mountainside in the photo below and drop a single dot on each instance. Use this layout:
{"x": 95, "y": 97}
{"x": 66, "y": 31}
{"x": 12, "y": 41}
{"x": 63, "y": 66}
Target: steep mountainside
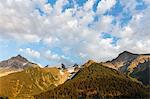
{"x": 94, "y": 82}
{"x": 128, "y": 63}
{"x": 31, "y": 81}
{"x": 142, "y": 72}
{"x": 123, "y": 59}
{"x": 127, "y": 60}
{"x": 15, "y": 64}
{"x": 134, "y": 64}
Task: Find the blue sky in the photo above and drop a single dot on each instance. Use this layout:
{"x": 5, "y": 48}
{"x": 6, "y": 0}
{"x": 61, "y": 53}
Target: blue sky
{"x": 51, "y": 32}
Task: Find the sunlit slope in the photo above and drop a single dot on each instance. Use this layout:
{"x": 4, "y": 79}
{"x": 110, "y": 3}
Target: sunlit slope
{"x": 31, "y": 81}
{"x": 96, "y": 81}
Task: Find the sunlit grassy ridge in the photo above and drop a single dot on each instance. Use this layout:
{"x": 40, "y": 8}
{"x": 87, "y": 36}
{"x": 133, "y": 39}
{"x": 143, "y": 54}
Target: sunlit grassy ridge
{"x": 30, "y": 81}
{"x": 96, "y": 81}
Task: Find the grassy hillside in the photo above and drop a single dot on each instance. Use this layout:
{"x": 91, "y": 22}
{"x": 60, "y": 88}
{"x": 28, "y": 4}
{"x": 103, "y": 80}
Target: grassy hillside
{"x": 30, "y": 81}
{"x": 94, "y": 82}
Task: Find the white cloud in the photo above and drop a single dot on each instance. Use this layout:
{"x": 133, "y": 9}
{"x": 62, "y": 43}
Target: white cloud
{"x": 89, "y": 5}
{"x": 104, "y": 25}
{"x": 135, "y": 36}
{"x": 105, "y": 5}
{"x": 54, "y": 57}
{"x": 30, "y": 52}
{"x": 70, "y": 32}
{"x": 59, "y": 5}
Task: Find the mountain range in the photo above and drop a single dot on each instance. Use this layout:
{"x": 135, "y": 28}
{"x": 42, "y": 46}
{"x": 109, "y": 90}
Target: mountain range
{"x": 125, "y": 76}
{"x": 96, "y": 82}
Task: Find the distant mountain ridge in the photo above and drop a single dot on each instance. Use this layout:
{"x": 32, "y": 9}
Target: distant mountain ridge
{"x": 17, "y": 62}
{"x": 14, "y": 64}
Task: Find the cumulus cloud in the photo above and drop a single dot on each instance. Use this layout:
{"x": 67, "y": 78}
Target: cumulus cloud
{"x": 51, "y": 56}
{"x": 30, "y": 52}
{"x": 105, "y": 5}
{"x": 73, "y": 30}
{"x": 48, "y": 55}
{"x": 135, "y": 36}
{"x": 54, "y": 57}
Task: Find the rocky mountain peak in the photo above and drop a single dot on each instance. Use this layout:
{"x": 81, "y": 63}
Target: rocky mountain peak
{"x": 17, "y": 62}
{"x": 126, "y": 53}
{"x": 19, "y": 58}
{"x": 123, "y": 59}
{"x": 125, "y": 56}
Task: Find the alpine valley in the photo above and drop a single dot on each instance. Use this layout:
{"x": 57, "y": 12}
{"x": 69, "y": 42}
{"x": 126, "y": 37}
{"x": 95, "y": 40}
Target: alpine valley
{"x": 127, "y": 76}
